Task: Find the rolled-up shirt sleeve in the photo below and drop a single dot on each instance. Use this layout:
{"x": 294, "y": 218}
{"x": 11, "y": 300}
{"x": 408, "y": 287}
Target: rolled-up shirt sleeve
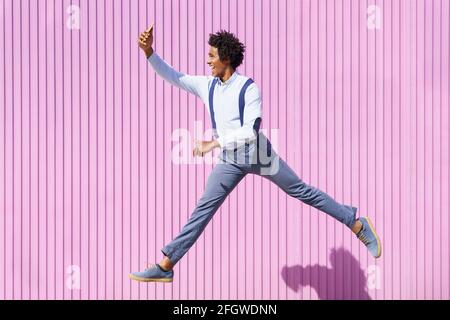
{"x": 194, "y": 84}
{"x": 250, "y": 126}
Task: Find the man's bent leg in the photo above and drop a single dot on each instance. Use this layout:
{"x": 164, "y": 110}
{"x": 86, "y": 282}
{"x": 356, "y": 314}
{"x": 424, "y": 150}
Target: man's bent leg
{"x": 289, "y": 182}
{"x": 221, "y": 182}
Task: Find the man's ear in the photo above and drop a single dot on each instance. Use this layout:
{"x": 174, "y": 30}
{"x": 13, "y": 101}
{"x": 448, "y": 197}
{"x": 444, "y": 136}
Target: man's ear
{"x": 226, "y": 61}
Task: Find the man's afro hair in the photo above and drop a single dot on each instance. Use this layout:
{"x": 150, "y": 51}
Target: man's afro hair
{"x": 228, "y": 46}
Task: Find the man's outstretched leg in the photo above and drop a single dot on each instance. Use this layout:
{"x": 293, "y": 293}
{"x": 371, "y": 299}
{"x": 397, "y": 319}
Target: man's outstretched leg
{"x": 289, "y": 182}
{"x": 221, "y": 182}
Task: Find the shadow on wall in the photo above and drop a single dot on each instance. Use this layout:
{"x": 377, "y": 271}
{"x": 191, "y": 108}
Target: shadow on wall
{"x": 345, "y": 280}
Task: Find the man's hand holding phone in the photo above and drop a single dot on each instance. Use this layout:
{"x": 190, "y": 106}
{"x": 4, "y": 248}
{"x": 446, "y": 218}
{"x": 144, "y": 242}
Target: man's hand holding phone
{"x": 146, "y": 41}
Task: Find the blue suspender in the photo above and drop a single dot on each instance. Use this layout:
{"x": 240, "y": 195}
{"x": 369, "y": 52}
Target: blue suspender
{"x": 211, "y": 99}
{"x": 241, "y": 104}
{"x": 242, "y": 100}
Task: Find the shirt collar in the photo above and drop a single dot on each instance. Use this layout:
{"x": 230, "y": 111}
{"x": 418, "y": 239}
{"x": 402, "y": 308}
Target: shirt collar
{"x": 231, "y": 79}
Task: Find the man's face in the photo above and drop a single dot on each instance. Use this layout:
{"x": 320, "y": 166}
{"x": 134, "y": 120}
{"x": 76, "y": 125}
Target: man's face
{"x": 217, "y": 66}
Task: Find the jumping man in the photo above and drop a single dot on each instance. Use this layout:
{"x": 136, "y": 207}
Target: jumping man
{"x": 234, "y": 104}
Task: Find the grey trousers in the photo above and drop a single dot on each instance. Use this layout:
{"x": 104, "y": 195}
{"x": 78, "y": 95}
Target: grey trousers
{"x": 233, "y": 165}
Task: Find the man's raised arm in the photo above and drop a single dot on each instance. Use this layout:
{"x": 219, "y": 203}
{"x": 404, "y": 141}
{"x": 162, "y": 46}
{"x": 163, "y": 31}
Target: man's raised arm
{"x": 197, "y": 85}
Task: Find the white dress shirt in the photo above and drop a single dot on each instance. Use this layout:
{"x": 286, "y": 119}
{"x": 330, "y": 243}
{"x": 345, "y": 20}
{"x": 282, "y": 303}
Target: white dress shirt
{"x": 225, "y": 101}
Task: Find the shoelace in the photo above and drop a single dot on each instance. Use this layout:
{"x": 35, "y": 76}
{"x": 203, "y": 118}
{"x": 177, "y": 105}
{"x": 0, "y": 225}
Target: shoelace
{"x": 150, "y": 267}
{"x": 363, "y": 238}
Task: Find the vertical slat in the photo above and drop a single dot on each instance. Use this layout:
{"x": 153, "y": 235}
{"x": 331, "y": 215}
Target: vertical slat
{"x": 445, "y": 160}
{"x": 307, "y": 71}
{"x": 3, "y": 152}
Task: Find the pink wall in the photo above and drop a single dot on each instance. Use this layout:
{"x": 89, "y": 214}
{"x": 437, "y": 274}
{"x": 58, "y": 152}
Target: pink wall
{"x": 359, "y": 102}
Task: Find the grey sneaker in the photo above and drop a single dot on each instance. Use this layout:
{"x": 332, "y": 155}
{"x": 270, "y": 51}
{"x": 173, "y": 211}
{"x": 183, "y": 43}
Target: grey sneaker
{"x": 369, "y": 237}
{"x": 153, "y": 273}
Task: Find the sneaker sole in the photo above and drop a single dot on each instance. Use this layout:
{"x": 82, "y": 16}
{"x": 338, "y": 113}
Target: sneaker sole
{"x": 376, "y": 237}
{"x": 150, "y": 279}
